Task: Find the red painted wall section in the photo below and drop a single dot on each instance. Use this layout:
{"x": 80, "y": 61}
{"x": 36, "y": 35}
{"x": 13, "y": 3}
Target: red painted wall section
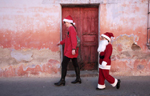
{"x": 30, "y": 27}
{"x": 29, "y": 32}
{"x": 128, "y": 22}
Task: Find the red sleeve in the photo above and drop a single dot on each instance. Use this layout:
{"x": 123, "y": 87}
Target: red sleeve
{"x": 108, "y": 52}
{"x": 72, "y": 33}
{"x": 62, "y": 42}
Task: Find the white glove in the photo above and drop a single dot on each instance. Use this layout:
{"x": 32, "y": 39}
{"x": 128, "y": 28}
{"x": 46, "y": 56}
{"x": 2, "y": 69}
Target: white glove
{"x": 104, "y": 63}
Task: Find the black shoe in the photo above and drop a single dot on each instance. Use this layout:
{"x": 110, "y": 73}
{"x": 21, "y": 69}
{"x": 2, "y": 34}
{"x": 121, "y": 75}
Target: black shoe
{"x": 76, "y": 81}
{"x": 99, "y": 88}
{"x": 118, "y": 84}
{"x": 61, "y": 82}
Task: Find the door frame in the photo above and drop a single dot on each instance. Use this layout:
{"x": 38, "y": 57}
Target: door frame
{"x": 79, "y": 5}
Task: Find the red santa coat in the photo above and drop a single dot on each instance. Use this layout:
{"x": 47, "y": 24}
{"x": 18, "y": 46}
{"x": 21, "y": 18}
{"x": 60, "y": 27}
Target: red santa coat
{"x": 105, "y": 61}
{"x": 70, "y": 43}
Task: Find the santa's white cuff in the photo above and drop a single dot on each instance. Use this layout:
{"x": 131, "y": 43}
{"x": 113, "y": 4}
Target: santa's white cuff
{"x": 115, "y": 83}
{"x": 101, "y": 86}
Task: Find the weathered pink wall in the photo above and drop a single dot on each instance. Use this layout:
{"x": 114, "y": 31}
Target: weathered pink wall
{"x": 30, "y": 30}
{"x": 128, "y": 22}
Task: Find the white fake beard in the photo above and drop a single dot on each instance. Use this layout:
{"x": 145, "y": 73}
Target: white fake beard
{"x": 102, "y": 45}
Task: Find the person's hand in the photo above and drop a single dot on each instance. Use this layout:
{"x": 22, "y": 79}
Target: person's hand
{"x": 58, "y": 44}
{"x": 73, "y": 52}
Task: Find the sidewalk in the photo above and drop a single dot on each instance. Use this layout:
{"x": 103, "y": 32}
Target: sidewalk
{"x": 44, "y": 86}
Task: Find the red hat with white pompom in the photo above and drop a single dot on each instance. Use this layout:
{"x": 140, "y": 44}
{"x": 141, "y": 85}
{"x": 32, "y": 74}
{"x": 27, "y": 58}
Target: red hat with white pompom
{"x": 108, "y": 36}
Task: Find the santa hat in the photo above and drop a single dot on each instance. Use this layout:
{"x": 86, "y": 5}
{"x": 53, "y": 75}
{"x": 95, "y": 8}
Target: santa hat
{"x": 68, "y": 19}
{"x": 108, "y": 35}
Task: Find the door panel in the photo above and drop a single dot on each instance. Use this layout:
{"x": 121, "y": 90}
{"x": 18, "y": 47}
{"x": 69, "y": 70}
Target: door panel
{"x": 86, "y": 19}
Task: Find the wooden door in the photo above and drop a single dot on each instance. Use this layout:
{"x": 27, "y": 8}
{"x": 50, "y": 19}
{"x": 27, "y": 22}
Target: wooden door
{"x": 86, "y": 19}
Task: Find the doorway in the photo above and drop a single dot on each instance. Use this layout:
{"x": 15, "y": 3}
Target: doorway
{"x": 86, "y": 22}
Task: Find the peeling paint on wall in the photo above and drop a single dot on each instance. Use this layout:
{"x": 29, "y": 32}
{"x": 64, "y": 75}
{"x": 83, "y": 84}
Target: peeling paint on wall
{"x": 48, "y": 69}
{"x": 125, "y": 48}
{"x": 127, "y": 58}
{"x": 124, "y": 42}
{"x": 29, "y": 62}
{"x": 22, "y": 55}
{"x": 27, "y": 56}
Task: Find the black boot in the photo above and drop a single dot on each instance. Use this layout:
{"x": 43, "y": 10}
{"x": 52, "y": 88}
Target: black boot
{"x": 78, "y": 79}
{"x": 118, "y": 84}
{"x": 62, "y": 80}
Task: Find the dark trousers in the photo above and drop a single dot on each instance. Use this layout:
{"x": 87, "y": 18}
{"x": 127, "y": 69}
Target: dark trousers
{"x": 64, "y": 65}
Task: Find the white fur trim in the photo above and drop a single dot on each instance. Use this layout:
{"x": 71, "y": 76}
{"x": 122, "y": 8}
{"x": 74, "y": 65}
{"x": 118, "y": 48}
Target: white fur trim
{"x": 115, "y": 83}
{"x": 104, "y": 63}
{"x": 104, "y": 67}
{"x": 66, "y": 20}
{"x": 101, "y": 86}
{"x": 106, "y": 37}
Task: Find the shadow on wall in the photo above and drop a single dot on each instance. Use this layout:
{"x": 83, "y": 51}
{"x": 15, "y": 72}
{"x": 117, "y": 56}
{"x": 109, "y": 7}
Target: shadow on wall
{"x": 135, "y": 47}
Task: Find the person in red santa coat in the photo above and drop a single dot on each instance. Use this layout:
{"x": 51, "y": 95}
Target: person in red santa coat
{"x": 70, "y": 51}
{"x": 105, "y": 52}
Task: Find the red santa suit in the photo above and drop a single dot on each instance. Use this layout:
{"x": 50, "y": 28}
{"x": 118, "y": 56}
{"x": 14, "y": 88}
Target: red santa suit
{"x": 105, "y": 52}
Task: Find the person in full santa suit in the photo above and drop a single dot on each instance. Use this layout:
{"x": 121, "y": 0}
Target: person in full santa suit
{"x": 105, "y": 51}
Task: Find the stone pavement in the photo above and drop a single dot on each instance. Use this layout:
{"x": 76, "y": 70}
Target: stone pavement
{"x": 44, "y": 86}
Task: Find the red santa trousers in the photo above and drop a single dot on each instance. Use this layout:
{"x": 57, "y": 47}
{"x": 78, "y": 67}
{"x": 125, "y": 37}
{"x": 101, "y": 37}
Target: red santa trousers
{"x": 104, "y": 75}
